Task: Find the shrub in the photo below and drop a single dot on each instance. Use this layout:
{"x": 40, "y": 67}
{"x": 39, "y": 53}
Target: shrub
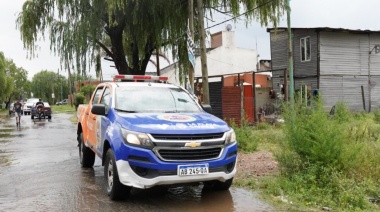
{"x": 79, "y": 99}
{"x": 87, "y": 91}
{"x": 377, "y": 116}
{"x": 247, "y": 142}
{"x": 341, "y": 113}
{"x": 313, "y": 136}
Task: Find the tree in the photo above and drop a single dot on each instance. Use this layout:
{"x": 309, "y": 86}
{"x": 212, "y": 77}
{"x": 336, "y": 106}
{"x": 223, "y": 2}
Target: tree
{"x": 44, "y": 83}
{"x": 13, "y": 80}
{"x": 3, "y": 77}
{"x": 128, "y": 31}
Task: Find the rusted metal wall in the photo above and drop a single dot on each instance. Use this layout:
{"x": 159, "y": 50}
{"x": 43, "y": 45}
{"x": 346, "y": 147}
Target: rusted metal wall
{"x": 231, "y": 103}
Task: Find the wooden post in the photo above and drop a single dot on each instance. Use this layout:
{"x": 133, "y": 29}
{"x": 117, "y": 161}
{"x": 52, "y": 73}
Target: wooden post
{"x": 158, "y": 62}
{"x": 254, "y": 95}
{"x": 363, "y": 98}
{"x": 286, "y": 94}
{"x": 206, "y": 93}
{"x": 191, "y": 26}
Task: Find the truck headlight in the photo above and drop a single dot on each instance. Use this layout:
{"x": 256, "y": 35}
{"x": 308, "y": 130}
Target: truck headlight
{"x": 135, "y": 138}
{"x": 231, "y": 137}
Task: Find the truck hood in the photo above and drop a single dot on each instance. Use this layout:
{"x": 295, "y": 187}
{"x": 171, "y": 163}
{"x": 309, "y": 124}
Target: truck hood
{"x": 171, "y": 123}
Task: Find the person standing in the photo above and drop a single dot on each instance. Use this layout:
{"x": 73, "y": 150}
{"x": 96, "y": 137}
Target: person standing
{"x": 17, "y": 109}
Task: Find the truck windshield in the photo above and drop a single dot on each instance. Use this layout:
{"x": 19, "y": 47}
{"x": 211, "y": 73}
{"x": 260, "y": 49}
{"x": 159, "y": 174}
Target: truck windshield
{"x": 154, "y": 99}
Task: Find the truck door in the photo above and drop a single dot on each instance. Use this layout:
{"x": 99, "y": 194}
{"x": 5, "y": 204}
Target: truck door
{"x": 91, "y": 120}
{"x": 102, "y": 122}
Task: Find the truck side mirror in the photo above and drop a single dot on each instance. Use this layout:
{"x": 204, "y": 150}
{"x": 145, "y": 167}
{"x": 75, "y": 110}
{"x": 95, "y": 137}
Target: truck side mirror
{"x": 98, "y": 109}
{"x": 207, "y": 108}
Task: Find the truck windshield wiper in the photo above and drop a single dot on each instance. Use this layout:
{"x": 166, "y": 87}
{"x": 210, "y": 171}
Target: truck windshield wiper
{"x": 127, "y": 111}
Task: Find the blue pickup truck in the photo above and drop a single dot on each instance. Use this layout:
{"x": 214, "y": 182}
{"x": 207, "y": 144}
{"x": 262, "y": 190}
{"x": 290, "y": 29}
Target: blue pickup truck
{"x": 154, "y": 133}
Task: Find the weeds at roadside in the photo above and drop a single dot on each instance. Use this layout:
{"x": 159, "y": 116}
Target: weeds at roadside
{"x": 324, "y": 160}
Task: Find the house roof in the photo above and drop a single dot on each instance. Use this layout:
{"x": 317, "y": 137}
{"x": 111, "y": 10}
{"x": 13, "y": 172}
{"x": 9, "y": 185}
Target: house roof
{"x": 326, "y": 29}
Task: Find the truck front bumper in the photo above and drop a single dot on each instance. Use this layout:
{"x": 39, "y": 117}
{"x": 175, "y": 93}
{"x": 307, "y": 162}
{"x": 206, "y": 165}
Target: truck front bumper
{"x": 129, "y": 178}
{"x": 152, "y": 171}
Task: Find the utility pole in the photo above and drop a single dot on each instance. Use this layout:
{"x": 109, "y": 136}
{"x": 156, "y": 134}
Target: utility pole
{"x": 290, "y": 56}
{"x": 60, "y": 83}
{"x": 206, "y": 95}
{"x": 191, "y": 27}
{"x": 158, "y": 62}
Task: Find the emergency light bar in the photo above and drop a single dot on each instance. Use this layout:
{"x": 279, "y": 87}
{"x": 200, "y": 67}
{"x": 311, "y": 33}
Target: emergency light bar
{"x": 139, "y": 77}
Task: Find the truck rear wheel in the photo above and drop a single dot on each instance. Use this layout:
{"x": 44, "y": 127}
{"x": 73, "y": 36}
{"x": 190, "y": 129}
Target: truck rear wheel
{"x": 217, "y": 185}
{"x": 86, "y": 155}
{"x": 115, "y": 190}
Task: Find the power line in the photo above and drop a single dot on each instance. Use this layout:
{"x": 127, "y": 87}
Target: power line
{"x": 263, "y": 4}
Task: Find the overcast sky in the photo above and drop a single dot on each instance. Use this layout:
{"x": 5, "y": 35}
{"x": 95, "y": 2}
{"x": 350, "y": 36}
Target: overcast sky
{"x": 353, "y": 14}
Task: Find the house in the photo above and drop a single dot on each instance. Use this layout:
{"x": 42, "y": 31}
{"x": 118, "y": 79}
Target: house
{"x": 341, "y": 63}
{"x": 223, "y": 58}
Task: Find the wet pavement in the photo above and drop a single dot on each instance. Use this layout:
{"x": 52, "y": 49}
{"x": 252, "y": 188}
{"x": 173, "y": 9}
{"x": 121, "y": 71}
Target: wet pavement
{"x": 40, "y": 171}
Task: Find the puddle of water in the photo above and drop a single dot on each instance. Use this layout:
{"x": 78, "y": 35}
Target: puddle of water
{"x": 6, "y": 130}
{"x": 4, "y": 160}
{"x": 6, "y": 135}
{"x": 4, "y": 141}
{"x": 245, "y": 200}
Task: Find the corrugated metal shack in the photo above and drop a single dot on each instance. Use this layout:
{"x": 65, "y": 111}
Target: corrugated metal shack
{"x": 342, "y": 64}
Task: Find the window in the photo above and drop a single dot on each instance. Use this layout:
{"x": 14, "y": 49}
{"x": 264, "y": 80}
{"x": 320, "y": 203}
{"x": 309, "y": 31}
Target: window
{"x": 154, "y": 99}
{"x": 98, "y": 92}
{"x": 106, "y": 99}
{"x": 305, "y": 49}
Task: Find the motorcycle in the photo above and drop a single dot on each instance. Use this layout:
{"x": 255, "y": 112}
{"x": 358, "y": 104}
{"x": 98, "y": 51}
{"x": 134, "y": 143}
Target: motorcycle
{"x": 40, "y": 112}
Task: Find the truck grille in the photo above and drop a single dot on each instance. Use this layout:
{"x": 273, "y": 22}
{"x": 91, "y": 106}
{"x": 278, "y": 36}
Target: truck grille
{"x": 187, "y": 136}
{"x": 191, "y": 154}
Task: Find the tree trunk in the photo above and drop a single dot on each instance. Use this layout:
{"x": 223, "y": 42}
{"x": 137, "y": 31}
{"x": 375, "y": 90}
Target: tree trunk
{"x": 139, "y": 65}
{"x": 206, "y": 95}
{"x": 118, "y": 55}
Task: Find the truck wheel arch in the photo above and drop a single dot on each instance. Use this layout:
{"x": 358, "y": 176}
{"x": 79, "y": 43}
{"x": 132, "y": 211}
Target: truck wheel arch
{"x": 79, "y": 130}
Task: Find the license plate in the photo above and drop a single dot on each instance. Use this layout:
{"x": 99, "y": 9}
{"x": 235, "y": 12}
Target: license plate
{"x": 193, "y": 169}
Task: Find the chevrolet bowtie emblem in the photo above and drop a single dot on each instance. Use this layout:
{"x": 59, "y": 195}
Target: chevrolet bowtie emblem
{"x": 192, "y": 144}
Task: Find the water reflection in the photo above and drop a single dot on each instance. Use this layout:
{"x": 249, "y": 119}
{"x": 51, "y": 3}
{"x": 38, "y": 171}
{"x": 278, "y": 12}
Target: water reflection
{"x": 38, "y": 124}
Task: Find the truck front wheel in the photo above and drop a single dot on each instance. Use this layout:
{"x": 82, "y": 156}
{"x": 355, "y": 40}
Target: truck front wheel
{"x": 86, "y": 155}
{"x": 115, "y": 190}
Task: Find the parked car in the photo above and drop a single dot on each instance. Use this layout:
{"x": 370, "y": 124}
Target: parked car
{"x": 29, "y": 105}
{"x": 11, "y": 107}
{"x": 47, "y": 110}
{"x": 63, "y": 102}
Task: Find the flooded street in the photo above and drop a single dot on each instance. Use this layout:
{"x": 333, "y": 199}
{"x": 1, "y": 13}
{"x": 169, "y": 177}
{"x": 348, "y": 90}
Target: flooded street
{"x": 40, "y": 171}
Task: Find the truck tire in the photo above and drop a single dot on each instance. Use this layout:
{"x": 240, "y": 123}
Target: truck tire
{"x": 86, "y": 155}
{"x": 217, "y": 185}
{"x": 115, "y": 190}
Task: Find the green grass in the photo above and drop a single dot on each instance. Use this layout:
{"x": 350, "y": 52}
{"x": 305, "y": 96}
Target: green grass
{"x": 66, "y": 109}
{"x": 63, "y": 109}
{"x": 4, "y": 111}
{"x": 324, "y": 161}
